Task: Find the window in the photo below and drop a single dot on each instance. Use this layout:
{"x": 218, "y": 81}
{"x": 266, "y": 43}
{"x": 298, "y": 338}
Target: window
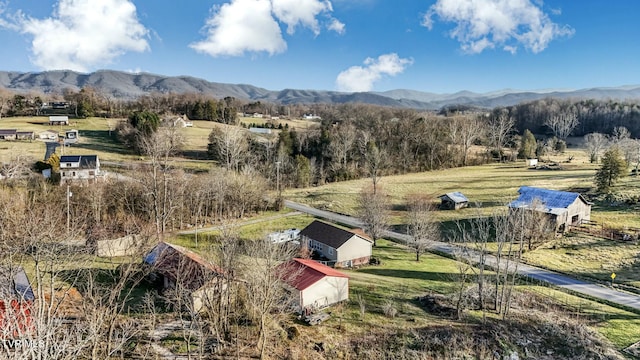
{"x": 92, "y": 173}
{"x": 330, "y": 250}
{"x": 73, "y": 173}
{"x": 68, "y": 165}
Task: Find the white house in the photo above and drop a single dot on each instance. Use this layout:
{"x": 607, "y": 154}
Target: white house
{"x": 182, "y": 121}
{"x": 336, "y": 246}
{"x": 79, "y": 168}
{"x": 313, "y": 285}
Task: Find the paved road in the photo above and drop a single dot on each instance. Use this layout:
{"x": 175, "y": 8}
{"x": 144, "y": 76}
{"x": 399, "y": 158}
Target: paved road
{"x": 563, "y": 281}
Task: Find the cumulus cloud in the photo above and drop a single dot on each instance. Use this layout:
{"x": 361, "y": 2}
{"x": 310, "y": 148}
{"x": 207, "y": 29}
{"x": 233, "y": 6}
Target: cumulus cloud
{"x": 362, "y": 78}
{"x": 82, "y": 34}
{"x": 241, "y": 26}
{"x": 486, "y": 24}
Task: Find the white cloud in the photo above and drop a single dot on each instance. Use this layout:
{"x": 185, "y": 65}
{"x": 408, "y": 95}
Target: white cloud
{"x": 362, "y": 78}
{"x": 337, "y": 26}
{"x": 303, "y": 12}
{"x": 241, "y": 26}
{"x": 82, "y": 34}
{"x": 483, "y": 24}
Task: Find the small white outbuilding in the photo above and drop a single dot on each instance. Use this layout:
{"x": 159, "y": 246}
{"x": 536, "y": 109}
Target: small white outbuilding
{"x": 315, "y": 286}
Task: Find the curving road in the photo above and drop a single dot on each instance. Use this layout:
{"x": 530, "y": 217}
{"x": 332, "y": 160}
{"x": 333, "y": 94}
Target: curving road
{"x": 560, "y": 280}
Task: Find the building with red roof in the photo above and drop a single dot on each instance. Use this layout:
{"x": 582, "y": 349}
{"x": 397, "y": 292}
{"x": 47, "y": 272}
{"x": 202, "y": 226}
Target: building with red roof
{"x": 314, "y": 285}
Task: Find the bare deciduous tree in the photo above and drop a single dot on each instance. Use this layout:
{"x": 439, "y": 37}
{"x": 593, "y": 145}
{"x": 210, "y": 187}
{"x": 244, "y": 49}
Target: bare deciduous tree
{"x": 229, "y": 146}
{"x": 373, "y": 211}
{"x": 595, "y": 143}
{"x": 421, "y": 225}
{"x": 266, "y": 297}
{"x": 499, "y": 127}
{"x": 563, "y": 124}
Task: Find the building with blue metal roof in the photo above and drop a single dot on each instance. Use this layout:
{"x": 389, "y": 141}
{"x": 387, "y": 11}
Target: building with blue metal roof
{"x": 564, "y": 208}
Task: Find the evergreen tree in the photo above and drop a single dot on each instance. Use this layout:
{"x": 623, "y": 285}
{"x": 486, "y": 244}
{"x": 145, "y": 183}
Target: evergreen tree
{"x": 613, "y": 167}
{"x": 527, "y": 145}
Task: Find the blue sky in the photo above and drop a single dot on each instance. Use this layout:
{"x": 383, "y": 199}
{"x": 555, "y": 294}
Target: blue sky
{"x": 440, "y": 46}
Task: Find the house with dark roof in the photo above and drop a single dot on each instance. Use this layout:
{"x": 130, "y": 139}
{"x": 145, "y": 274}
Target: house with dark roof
{"x": 337, "y": 246}
{"x": 313, "y": 285}
{"x": 16, "y": 301}
{"x": 453, "y": 201}
{"x": 83, "y": 168}
{"x": 563, "y": 208}
{"x": 173, "y": 266}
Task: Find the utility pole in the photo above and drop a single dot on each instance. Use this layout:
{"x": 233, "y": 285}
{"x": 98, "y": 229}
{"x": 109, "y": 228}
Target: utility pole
{"x": 278, "y": 179}
{"x": 68, "y": 208}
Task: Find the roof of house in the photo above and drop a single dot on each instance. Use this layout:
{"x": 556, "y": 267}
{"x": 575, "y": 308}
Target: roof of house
{"x": 14, "y": 284}
{"x": 8, "y": 131}
{"x": 551, "y": 201}
{"x": 86, "y": 161}
{"x": 456, "y": 197}
{"x": 328, "y": 234}
{"x": 24, "y": 132}
{"x": 152, "y": 257}
{"x": 310, "y": 272}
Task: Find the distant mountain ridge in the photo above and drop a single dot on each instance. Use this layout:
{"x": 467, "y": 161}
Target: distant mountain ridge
{"x": 126, "y": 85}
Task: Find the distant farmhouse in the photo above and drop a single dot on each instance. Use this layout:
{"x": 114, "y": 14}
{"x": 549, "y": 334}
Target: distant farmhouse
{"x": 564, "y": 209}
{"x": 182, "y": 121}
{"x": 313, "y": 285}
{"x": 79, "y": 168}
{"x": 453, "y": 201}
{"x": 58, "y": 120}
{"x": 338, "y": 247}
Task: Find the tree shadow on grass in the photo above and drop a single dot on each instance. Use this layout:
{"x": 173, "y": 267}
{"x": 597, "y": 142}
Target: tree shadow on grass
{"x": 99, "y": 140}
{"x": 412, "y": 274}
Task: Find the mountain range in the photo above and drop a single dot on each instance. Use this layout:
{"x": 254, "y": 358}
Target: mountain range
{"x": 124, "y": 85}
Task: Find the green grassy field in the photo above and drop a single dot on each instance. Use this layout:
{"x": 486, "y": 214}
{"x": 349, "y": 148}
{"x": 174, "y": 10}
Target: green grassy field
{"x": 400, "y": 280}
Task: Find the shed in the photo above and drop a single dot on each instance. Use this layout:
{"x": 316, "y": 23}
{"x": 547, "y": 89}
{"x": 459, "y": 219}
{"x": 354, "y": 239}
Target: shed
{"x": 453, "y": 201}
{"x": 174, "y": 265}
{"x": 563, "y": 208}
{"x": 340, "y": 247}
{"x": 313, "y": 285}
